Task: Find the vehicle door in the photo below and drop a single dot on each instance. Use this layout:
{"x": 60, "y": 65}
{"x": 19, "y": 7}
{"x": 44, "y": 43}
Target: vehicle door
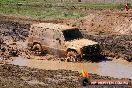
{"x": 58, "y": 42}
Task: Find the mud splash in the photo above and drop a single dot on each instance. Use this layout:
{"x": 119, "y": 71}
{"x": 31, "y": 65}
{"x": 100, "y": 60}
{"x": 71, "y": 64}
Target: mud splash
{"x": 117, "y": 69}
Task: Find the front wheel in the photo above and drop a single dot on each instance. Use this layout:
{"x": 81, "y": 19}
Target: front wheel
{"x": 37, "y": 49}
{"x": 71, "y": 56}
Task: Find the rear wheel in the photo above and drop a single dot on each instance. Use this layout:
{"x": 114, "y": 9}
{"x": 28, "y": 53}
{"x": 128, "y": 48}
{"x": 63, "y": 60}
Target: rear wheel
{"x": 71, "y": 56}
{"x": 37, "y": 49}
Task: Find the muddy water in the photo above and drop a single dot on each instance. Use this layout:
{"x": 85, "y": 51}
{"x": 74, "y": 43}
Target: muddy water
{"x": 116, "y": 68}
{"x": 20, "y": 61}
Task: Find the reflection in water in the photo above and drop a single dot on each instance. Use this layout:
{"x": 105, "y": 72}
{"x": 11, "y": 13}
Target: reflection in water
{"x": 117, "y": 70}
{"x": 107, "y": 68}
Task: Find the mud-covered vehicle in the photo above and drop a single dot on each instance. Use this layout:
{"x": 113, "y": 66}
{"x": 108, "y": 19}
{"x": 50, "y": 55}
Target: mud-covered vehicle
{"x": 61, "y": 40}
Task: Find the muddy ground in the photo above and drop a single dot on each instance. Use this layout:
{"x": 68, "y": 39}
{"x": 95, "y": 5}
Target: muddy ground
{"x": 12, "y": 76}
{"x": 13, "y": 34}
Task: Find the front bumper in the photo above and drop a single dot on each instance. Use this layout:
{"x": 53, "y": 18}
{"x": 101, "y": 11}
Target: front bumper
{"x": 90, "y": 50}
{"x": 89, "y": 55}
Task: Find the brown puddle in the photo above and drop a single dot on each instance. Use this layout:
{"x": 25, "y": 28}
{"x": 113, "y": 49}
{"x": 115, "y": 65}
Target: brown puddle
{"x": 117, "y": 69}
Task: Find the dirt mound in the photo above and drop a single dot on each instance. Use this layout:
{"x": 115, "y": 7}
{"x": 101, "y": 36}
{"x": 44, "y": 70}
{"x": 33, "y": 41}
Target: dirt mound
{"x": 115, "y": 23}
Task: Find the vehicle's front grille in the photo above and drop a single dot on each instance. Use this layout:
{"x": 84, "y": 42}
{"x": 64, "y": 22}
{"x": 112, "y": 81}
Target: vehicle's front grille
{"x": 90, "y": 49}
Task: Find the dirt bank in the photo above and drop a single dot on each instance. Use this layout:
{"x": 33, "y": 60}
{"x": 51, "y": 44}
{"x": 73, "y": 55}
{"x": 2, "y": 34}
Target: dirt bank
{"x": 110, "y": 23}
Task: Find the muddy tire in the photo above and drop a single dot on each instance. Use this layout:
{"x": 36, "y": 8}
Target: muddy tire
{"x": 71, "y": 56}
{"x": 37, "y": 49}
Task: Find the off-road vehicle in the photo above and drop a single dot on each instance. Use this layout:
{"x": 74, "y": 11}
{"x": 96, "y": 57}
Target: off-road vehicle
{"x": 61, "y": 40}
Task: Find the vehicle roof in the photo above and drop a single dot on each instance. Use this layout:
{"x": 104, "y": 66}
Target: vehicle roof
{"x": 53, "y": 26}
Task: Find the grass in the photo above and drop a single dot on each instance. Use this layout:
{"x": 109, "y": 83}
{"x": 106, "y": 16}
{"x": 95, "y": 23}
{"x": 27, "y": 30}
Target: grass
{"x": 41, "y": 12}
{"x": 48, "y": 9}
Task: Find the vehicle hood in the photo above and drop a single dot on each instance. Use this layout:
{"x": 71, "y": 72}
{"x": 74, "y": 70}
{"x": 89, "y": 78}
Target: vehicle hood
{"x": 80, "y": 43}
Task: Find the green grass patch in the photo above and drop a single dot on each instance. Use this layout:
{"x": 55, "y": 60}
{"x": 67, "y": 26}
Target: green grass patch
{"x": 50, "y": 12}
{"x": 50, "y": 9}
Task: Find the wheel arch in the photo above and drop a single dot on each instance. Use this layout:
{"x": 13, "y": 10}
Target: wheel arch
{"x": 39, "y": 45}
{"x": 36, "y": 43}
{"x": 71, "y": 49}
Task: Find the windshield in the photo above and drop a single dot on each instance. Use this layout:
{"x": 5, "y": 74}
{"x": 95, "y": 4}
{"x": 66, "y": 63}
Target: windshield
{"x": 72, "y": 34}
